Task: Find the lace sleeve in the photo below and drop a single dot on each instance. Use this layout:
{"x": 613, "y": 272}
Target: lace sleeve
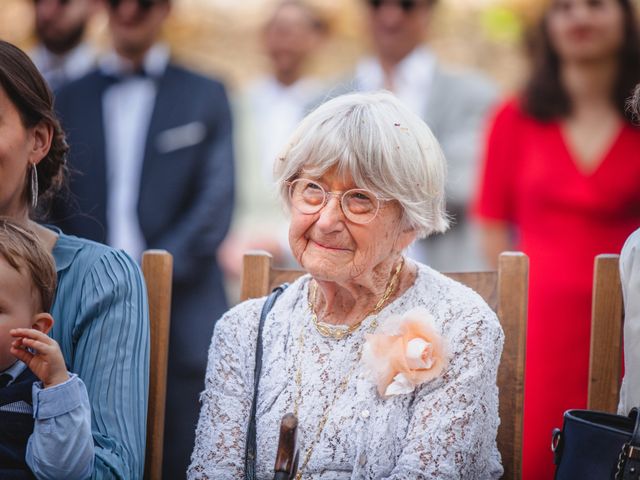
{"x": 453, "y": 426}
{"x": 226, "y": 401}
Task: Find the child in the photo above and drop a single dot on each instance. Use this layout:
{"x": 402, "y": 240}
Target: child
{"x": 45, "y": 425}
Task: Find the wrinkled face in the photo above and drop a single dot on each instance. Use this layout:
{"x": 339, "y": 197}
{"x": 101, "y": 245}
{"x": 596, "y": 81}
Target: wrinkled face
{"x": 332, "y": 248}
{"x": 16, "y": 143}
{"x": 397, "y": 26}
{"x": 60, "y": 24}
{"x": 289, "y": 38}
{"x": 17, "y": 307}
{"x": 586, "y": 30}
{"x": 136, "y": 24}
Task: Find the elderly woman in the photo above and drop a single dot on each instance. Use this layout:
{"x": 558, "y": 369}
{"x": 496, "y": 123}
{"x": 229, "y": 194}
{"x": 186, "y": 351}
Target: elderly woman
{"x": 389, "y": 365}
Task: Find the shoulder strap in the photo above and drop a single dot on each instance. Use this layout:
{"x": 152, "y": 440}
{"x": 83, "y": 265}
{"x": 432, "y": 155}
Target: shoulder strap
{"x": 629, "y": 459}
{"x": 250, "y": 449}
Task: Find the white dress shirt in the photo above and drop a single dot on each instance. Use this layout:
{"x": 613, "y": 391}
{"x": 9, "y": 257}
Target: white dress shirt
{"x": 410, "y": 80}
{"x": 277, "y": 110}
{"x": 128, "y": 106}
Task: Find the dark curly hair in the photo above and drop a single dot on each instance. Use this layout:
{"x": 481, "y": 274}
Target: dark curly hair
{"x": 33, "y": 99}
{"x": 544, "y": 96}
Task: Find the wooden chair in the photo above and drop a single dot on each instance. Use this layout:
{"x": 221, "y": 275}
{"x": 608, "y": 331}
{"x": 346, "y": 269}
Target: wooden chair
{"x": 157, "y": 268}
{"x": 506, "y": 292}
{"x": 605, "y": 355}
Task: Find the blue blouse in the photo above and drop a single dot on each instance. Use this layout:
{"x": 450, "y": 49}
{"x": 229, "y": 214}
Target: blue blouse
{"x": 102, "y": 325}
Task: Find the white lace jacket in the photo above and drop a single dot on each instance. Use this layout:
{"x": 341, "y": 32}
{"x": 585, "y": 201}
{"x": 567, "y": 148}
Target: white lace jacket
{"x": 446, "y": 429}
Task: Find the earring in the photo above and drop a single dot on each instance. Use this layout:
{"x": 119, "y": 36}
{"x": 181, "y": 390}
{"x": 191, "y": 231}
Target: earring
{"x": 34, "y": 186}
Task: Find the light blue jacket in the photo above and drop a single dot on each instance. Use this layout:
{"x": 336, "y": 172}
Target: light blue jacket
{"x": 102, "y": 326}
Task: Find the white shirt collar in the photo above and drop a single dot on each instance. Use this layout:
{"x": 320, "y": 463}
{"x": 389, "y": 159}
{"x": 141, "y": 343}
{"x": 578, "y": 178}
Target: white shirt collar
{"x": 412, "y": 77}
{"x": 74, "y": 64}
{"x": 155, "y": 62}
{"x": 414, "y": 69}
{"x": 302, "y": 91}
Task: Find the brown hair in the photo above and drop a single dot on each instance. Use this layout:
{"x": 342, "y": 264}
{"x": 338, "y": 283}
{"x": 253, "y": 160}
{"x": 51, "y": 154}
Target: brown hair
{"x": 545, "y": 97}
{"x": 33, "y": 99}
{"x": 22, "y": 250}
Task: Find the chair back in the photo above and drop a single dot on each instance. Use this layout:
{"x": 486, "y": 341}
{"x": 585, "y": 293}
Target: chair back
{"x": 506, "y": 292}
{"x": 157, "y": 268}
{"x": 605, "y": 354}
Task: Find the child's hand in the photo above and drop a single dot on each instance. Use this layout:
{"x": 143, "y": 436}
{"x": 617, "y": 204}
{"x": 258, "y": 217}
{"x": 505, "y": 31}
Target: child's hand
{"x": 46, "y": 362}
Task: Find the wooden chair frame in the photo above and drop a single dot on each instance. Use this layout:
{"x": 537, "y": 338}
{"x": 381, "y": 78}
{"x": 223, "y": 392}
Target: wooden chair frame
{"x": 157, "y": 268}
{"x": 607, "y": 317}
{"x": 506, "y": 292}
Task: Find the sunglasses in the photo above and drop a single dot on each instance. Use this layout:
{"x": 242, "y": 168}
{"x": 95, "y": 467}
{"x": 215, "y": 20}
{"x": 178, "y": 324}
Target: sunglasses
{"x": 142, "y": 4}
{"x": 60, "y": 2}
{"x": 406, "y": 5}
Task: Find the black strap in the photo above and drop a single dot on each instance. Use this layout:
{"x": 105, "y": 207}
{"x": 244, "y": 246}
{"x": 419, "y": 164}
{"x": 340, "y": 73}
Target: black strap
{"x": 250, "y": 450}
{"x": 630, "y": 455}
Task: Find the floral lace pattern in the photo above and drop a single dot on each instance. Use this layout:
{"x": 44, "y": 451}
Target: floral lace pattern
{"x": 445, "y": 429}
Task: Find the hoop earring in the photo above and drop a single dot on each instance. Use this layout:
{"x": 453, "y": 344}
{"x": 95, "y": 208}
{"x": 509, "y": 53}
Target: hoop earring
{"x": 34, "y": 186}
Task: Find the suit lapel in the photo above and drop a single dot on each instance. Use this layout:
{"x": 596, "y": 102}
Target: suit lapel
{"x": 161, "y": 117}
{"x": 162, "y": 108}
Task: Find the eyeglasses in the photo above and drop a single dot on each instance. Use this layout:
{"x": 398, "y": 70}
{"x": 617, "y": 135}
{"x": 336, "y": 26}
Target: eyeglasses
{"x": 358, "y": 205}
{"x": 406, "y": 5}
{"x": 142, "y": 4}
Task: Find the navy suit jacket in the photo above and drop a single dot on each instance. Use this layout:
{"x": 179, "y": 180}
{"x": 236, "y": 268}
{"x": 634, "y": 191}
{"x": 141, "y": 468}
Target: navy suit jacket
{"x": 186, "y": 191}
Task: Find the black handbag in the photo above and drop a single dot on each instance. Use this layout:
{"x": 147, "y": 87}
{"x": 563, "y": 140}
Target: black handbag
{"x": 250, "y": 449}
{"x": 597, "y": 446}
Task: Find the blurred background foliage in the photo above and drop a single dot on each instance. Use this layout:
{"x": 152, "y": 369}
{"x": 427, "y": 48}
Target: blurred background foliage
{"x": 222, "y": 37}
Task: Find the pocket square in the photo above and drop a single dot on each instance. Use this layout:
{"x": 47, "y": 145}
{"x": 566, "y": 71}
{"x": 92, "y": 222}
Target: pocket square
{"x": 181, "y": 137}
{"x": 17, "y": 407}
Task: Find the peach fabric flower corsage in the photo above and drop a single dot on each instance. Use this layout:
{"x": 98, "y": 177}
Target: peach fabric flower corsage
{"x": 405, "y": 352}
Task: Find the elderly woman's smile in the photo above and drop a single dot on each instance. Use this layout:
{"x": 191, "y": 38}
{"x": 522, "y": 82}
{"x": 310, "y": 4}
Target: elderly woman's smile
{"x": 327, "y": 245}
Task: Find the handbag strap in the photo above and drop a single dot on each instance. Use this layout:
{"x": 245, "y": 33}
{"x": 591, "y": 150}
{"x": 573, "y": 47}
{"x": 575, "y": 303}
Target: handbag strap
{"x": 250, "y": 449}
{"x": 629, "y": 459}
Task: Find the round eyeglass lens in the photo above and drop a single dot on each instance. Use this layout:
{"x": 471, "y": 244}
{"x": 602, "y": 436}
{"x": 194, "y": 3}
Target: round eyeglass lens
{"x": 306, "y": 196}
{"x": 360, "y": 206}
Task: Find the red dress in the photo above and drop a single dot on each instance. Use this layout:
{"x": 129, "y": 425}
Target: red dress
{"x": 563, "y": 219}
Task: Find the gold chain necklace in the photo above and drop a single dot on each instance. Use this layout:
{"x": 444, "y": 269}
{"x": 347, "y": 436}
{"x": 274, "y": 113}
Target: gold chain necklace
{"x": 342, "y": 386}
{"x": 340, "y": 332}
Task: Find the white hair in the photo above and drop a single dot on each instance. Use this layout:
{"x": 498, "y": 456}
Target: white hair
{"x": 382, "y": 145}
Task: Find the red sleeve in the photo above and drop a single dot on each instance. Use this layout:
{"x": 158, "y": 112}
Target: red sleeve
{"x": 495, "y": 193}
